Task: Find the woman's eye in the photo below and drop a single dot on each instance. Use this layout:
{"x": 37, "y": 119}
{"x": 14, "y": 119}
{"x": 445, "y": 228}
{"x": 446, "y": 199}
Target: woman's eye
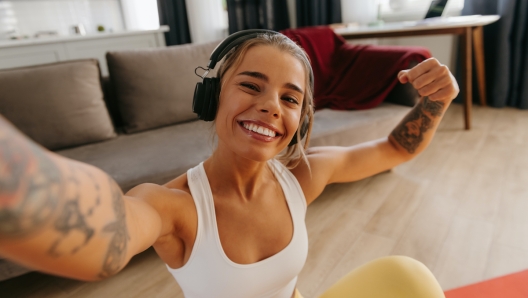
{"x": 250, "y": 86}
{"x": 291, "y": 99}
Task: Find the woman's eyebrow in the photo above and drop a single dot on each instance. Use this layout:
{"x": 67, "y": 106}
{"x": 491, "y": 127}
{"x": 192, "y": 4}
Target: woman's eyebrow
{"x": 255, "y": 74}
{"x": 294, "y": 87}
{"x": 261, "y": 76}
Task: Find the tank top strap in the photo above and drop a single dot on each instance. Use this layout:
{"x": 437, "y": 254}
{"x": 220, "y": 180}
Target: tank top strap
{"x": 290, "y": 185}
{"x": 203, "y": 199}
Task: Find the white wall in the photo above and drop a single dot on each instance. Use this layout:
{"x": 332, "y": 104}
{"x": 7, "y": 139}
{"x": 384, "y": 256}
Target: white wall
{"x": 359, "y": 11}
{"x": 292, "y": 13}
{"x": 140, "y": 14}
{"x": 60, "y": 15}
{"x": 8, "y": 20}
{"x": 207, "y": 20}
{"x": 443, "y": 47}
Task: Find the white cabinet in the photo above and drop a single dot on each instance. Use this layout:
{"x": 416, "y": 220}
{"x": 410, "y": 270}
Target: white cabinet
{"x": 41, "y": 51}
{"x": 31, "y": 55}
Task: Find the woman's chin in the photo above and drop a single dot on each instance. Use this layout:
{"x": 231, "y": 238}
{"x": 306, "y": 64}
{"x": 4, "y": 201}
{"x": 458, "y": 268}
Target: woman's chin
{"x": 250, "y": 150}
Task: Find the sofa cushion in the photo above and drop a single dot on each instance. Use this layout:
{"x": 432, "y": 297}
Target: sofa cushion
{"x": 155, "y": 156}
{"x": 159, "y": 155}
{"x": 58, "y": 105}
{"x": 155, "y": 87}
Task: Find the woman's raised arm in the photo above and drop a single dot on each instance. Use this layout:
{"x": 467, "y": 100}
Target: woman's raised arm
{"x": 438, "y": 88}
{"x": 65, "y": 217}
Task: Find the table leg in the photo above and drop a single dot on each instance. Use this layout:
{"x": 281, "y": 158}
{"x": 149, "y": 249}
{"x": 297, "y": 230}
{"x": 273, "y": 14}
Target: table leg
{"x": 478, "y": 48}
{"x": 466, "y": 51}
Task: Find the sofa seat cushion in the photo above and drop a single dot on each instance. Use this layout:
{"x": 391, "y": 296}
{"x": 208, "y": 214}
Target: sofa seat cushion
{"x": 159, "y": 155}
{"x": 154, "y": 156}
{"x": 347, "y": 128}
{"x": 58, "y": 105}
{"x": 145, "y": 80}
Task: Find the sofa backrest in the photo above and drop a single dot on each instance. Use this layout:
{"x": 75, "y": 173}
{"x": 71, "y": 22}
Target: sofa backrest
{"x": 57, "y": 105}
{"x": 155, "y": 87}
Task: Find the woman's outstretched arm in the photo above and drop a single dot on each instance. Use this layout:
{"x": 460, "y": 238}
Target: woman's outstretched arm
{"x": 412, "y": 135}
{"x": 65, "y": 217}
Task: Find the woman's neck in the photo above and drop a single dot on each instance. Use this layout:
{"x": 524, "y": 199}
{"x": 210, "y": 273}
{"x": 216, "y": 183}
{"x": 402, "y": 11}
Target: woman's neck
{"x": 235, "y": 176}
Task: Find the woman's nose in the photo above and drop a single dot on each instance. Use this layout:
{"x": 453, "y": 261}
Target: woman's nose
{"x": 271, "y": 105}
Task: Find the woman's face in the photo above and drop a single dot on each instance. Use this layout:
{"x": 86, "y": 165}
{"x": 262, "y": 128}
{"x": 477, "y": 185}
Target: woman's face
{"x": 260, "y": 103}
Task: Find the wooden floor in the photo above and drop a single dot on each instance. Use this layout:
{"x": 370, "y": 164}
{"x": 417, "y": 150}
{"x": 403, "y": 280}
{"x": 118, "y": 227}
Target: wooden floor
{"x": 460, "y": 207}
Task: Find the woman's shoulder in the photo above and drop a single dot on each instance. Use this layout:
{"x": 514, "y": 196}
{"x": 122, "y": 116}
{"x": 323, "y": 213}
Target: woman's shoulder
{"x": 310, "y": 173}
{"x": 172, "y": 201}
{"x": 179, "y": 183}
{"x": 177, "y": 187}
{"x": 170, "y": 198}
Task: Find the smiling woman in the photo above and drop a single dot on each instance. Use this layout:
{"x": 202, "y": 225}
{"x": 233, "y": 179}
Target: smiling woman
{"x": 266, "y": 91}
{"x": 289, "y": 64}
{"x": 233, "y": 226}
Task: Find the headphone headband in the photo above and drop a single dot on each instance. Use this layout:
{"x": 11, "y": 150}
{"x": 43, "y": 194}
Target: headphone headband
{"x": 232, "y": 41}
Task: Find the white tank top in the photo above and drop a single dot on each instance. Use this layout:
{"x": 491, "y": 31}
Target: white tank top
{"x": 209, "y": 273}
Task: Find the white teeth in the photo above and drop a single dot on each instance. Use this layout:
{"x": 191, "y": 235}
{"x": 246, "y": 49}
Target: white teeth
{"x": 259, "y": 129}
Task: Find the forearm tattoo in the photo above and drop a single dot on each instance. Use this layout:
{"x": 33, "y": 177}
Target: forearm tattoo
{"x": 435, "y": 108}
{"x": 72, "y": 219}
{"x": 410, "y": 132}
{"x": 116, "y": 252}
{"x": 35, "y": 193}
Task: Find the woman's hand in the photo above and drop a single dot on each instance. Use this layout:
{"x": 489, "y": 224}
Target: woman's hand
{"x": 432, "y": 79}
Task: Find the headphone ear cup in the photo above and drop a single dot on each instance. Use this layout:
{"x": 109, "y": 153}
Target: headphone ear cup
{"x": 213, "y": 99}
{"x": 206, "y": 99}
{"x": 198, "y": 99}
{"x": 304, "y": 130}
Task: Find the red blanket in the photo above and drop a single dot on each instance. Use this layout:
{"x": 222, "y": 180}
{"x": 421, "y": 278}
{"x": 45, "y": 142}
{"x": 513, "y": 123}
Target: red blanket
{"x": 352, "y": 76}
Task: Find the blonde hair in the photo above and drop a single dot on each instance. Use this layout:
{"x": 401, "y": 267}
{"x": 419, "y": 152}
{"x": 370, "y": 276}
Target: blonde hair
{"x": 293, "y": 155}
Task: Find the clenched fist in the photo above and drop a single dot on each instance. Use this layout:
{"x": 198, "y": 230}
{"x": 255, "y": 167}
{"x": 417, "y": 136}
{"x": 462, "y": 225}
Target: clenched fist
{"x": 432, "y": 79}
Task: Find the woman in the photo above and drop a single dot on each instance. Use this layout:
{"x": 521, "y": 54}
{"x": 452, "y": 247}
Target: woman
{"x": 234, "y": 225}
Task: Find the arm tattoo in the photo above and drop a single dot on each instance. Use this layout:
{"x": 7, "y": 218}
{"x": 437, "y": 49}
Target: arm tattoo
{"x": 30, "y": 185}
{"x": 410, "y": 132}
{"x": 71, "y": 218}
{"x": 118, "y": 245}
{"x": 34, "y": 192}
{"x": 435, "y": 108}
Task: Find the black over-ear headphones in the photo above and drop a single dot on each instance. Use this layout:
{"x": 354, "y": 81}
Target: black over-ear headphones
{"x": 206, "y": 93}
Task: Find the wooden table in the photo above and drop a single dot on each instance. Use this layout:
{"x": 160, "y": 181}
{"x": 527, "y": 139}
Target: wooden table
{"x": 469, "y": 28}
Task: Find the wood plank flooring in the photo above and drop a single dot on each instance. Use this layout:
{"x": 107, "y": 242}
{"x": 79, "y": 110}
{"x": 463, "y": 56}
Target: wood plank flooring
{"x": 460, "y": 208}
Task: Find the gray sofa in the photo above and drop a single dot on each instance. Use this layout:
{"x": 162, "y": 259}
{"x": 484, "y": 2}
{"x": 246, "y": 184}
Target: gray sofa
{"x": 138, "y": 125}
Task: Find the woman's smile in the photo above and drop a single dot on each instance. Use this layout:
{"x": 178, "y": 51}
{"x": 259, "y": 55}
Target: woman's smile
{"x": 259, "y": 130}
